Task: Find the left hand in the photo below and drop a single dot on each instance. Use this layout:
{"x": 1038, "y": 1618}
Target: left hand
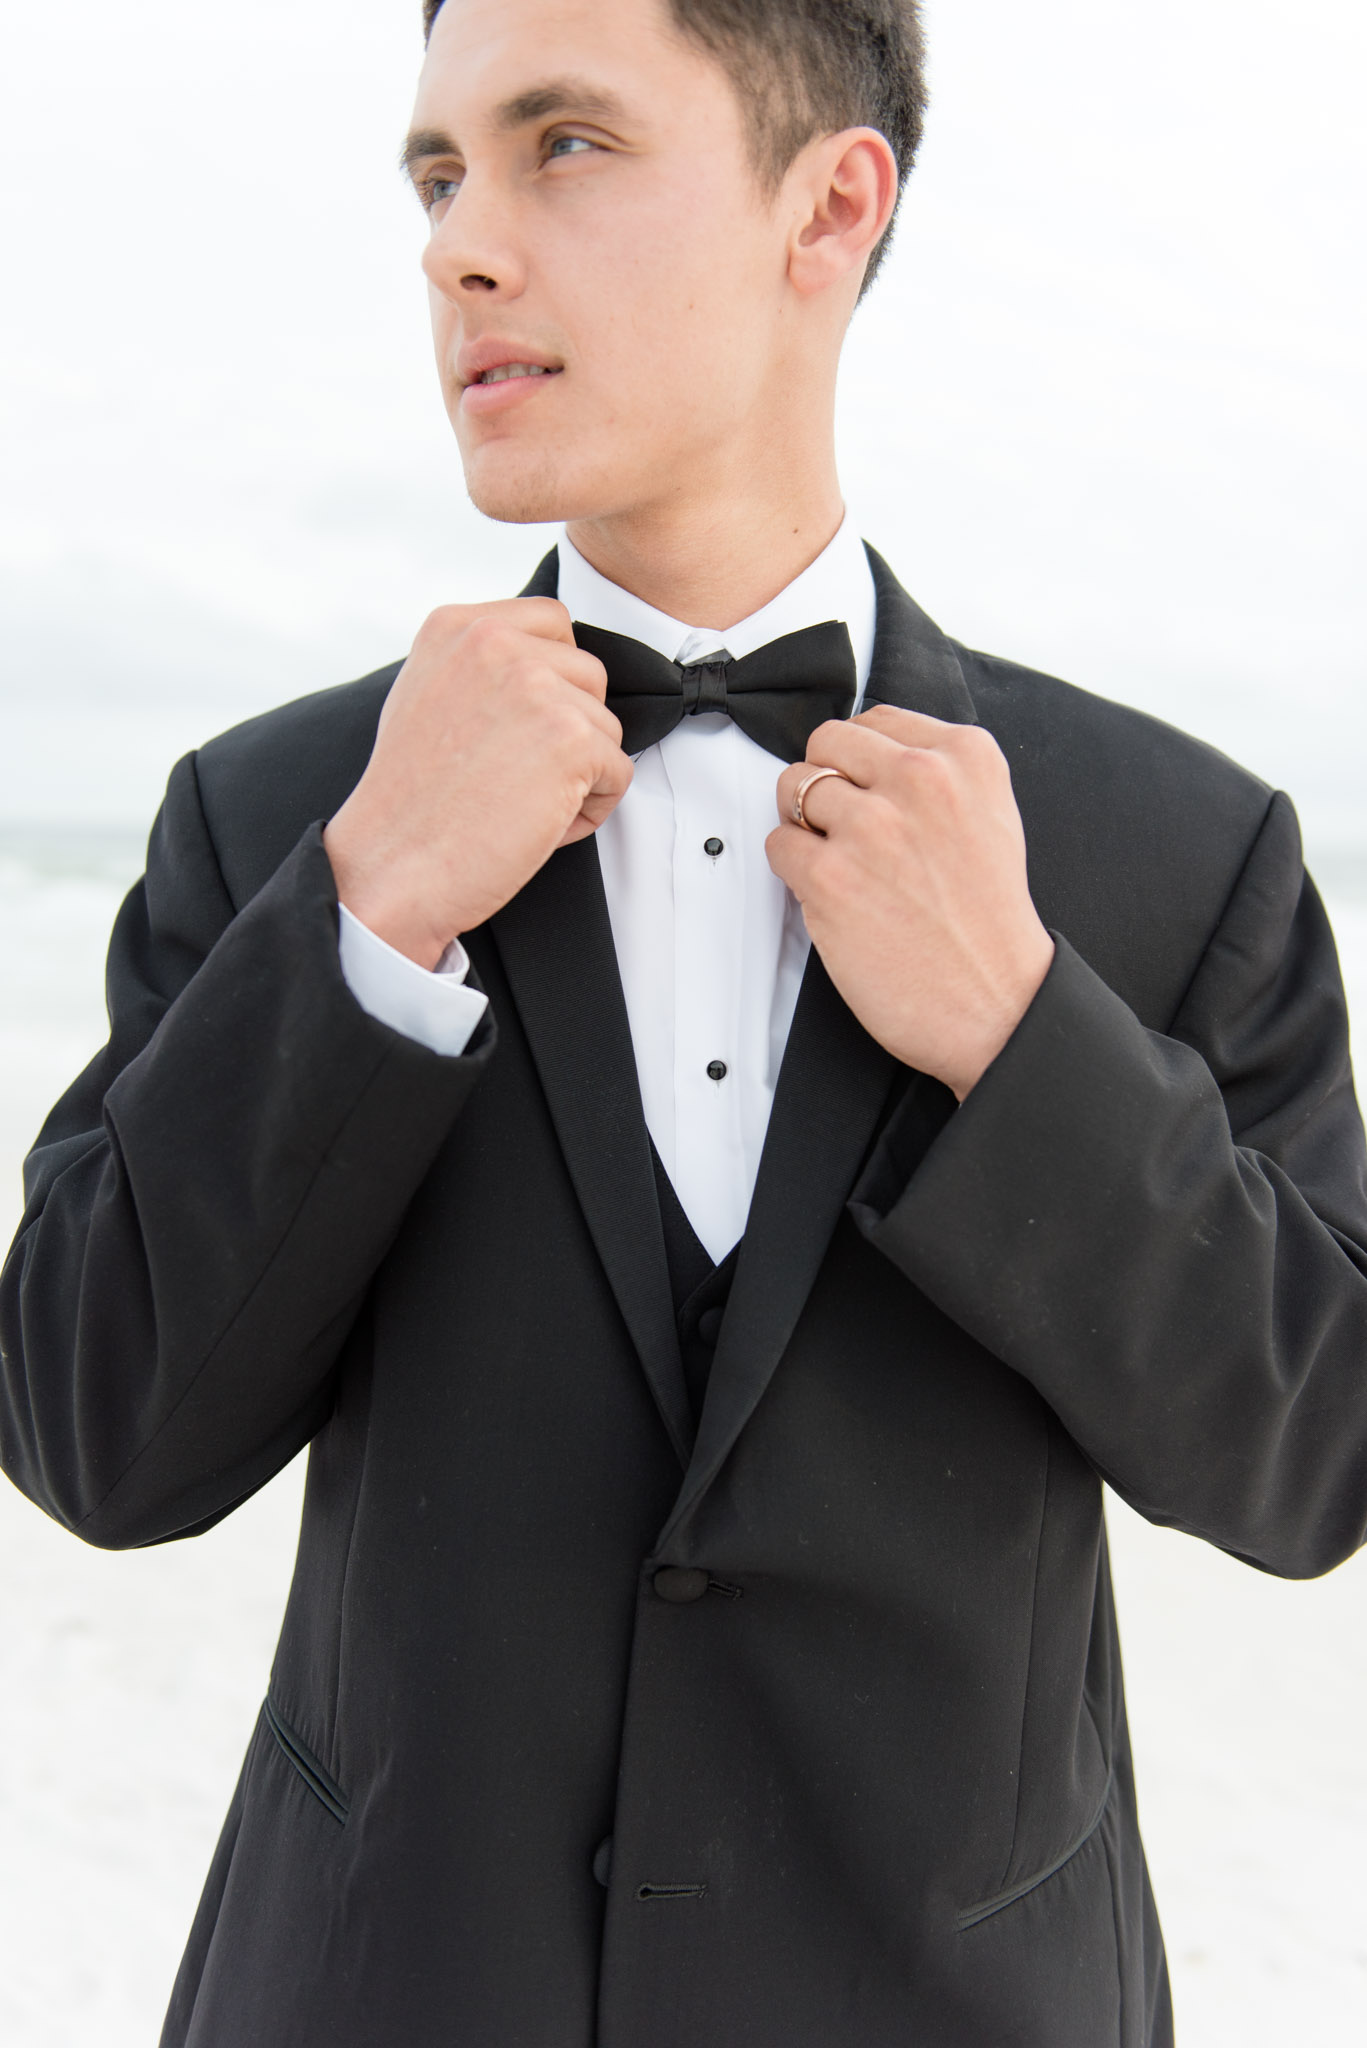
{"x": 916, "y": 898}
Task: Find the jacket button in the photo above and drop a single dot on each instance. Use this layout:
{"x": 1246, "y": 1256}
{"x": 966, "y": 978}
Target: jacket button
{"x": 709, "y": 1325}
{"x": 602, "y": 1861}
{"x": 679, "y": 1583}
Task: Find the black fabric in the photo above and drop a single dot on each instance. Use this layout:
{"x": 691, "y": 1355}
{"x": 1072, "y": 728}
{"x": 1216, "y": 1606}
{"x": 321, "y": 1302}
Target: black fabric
{"x": 688, "y": 1260}
{"x": 701, "y": 1315}
{"x": 699, "y": 1287}
{"x": 870, "y": 1784}
{"x": 778, "y": 695}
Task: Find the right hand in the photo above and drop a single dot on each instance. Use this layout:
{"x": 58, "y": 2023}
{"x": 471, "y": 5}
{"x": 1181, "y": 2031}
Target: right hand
{"x": 494, "y": 748}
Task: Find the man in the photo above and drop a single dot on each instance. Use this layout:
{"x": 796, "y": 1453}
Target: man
{"x": 713, "y": 1210}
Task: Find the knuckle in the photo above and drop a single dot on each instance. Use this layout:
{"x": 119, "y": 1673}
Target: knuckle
{"x": 485, "y": 633}
{"x": 977, "y": 741}
{"x": 564, "y": 724}
{"x": 440, "y": 625}
{"x": 448, "y": 618}
{"x": 933, "y": 768}
{"x": 907, "y": 771}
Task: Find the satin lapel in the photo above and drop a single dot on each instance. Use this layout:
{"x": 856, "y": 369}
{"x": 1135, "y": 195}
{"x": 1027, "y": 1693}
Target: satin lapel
{"x": 833, "y": 1086}
{"x": 914, "y": 664}
{"x": 555, "y": 942}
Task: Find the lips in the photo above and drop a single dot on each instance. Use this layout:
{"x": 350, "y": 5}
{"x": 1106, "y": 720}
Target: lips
{"x": 494, "y": 360}
{"x": 502, "y": 371}
{"x": 504, "y": 396}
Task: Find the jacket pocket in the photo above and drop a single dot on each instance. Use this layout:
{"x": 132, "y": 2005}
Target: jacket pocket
{"x": 985, "y": 1908}
{"x": 297, "y": 1752}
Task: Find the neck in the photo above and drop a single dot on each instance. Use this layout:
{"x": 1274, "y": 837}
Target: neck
{"x": 712, "y": 561}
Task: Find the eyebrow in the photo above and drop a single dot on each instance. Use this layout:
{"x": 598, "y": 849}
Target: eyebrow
{"x": 537, "y": 103}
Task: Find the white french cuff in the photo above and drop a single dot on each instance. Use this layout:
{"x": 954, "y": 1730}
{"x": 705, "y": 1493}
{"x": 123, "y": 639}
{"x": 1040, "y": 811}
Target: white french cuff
{"x": 432, "y": 1006}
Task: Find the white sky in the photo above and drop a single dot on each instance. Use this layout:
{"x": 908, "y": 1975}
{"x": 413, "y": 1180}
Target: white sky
{"x": 1104, "y": 412}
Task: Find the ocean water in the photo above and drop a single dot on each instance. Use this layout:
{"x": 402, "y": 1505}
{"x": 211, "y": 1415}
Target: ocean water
{"x": 131, "y": 1681}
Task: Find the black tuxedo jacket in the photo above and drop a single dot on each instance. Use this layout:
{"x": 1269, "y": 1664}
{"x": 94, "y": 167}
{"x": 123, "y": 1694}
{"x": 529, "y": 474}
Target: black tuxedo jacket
{"x": 802, "y": 1729}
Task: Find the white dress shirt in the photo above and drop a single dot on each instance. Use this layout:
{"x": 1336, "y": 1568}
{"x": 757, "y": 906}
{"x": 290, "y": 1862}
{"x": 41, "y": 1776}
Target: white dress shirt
{"x": 710, "y": 946}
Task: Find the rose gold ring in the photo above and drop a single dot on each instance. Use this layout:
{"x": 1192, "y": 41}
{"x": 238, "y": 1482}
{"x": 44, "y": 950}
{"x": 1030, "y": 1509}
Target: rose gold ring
{"x": 817, "y": 775}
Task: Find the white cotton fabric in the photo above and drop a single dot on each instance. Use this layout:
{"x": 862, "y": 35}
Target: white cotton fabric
{"x": 710, "y": 949}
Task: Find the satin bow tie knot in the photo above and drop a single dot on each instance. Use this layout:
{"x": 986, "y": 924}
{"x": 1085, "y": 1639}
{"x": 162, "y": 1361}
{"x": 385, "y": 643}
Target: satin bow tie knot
{"x": 704, "y": 687}
{"x": 777, "y": 696}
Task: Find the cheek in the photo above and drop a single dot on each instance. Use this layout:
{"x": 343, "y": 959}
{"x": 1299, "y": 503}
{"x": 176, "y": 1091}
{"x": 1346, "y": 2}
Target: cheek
{"x": 445, "y": 337}
{"x": 657, "y": 302}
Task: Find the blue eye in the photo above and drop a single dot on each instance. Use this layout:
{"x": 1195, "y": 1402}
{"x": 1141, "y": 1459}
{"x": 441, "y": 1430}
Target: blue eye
{"x": 561, "y": 145}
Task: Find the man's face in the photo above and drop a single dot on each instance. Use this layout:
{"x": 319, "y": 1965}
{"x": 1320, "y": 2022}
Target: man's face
{"x": 595, "y": 217}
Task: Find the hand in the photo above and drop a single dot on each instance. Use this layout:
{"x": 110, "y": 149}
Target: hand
{"x": 916, "y": 898}
{"x": 494, "y": 748}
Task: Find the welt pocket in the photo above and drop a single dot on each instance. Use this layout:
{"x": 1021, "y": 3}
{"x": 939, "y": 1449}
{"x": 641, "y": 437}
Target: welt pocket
{"x": 296, "y": 1751}
{"x": 985, "y": 1908}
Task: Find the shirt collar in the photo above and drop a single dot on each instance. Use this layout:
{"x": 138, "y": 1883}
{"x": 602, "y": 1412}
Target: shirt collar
{"x": 837, "y": 585}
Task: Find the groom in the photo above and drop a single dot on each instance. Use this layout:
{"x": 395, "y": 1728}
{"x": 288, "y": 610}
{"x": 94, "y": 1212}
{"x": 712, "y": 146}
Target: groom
{"x": 719, "y": 1115}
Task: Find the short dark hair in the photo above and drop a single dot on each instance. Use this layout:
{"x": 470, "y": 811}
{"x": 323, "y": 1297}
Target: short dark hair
{"x": 803, "y": 68}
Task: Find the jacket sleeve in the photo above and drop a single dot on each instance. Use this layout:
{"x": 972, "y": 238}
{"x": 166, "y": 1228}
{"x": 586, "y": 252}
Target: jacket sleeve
{"x": 207, "y": 1204}
{"x": 1164, "y": 1233}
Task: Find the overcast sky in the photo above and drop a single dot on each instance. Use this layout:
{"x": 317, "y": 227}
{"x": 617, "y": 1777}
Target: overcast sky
{"x": 1104, "y": 411}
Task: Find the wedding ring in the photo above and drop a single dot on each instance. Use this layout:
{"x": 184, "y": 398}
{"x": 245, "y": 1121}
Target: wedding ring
{"x": 817, "y": 775}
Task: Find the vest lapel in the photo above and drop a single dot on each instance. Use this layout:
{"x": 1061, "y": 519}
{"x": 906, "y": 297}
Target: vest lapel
{"x": 832, "y": 1088}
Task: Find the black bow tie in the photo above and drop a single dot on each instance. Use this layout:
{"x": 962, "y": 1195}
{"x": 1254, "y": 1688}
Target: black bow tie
{"x": 778, "y": 695}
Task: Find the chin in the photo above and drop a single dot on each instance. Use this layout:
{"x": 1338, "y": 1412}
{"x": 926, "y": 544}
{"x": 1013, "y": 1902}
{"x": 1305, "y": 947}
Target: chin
{"x": 530, "y": 487}
{"x": 521, "y": 487}
{"x": 516, "y": 501}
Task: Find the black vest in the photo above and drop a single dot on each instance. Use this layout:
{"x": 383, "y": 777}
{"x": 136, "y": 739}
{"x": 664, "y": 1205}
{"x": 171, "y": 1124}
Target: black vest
{"x": 700, "y": 1288}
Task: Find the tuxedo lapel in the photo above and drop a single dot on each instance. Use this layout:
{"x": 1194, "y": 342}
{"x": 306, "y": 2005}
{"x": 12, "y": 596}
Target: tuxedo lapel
{"x": 833, "y": 1086}
{"x": 555, "y": 942}
{"x": 914, "y": 663}
{"x": 545, "y": 577}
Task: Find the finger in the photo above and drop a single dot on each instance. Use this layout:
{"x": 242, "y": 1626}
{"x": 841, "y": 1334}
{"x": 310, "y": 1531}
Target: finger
{"x": 545, "y": 617}
{"x": 824, "y": 803}
{"x": 612, "y": 771}
{"x": 583, "y": 669}
{"x": 579, "y": 827}
{"x": 604, "y": 721}
{"x": 791, "y": 854}
{"x": 859, "y": 751}
{"x": 908, "y": 728}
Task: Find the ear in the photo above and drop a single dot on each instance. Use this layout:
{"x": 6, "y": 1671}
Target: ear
{"x": 845, "y": 189}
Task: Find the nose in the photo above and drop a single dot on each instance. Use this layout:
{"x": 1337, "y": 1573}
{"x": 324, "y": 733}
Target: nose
{"x": 471, "y": 251}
